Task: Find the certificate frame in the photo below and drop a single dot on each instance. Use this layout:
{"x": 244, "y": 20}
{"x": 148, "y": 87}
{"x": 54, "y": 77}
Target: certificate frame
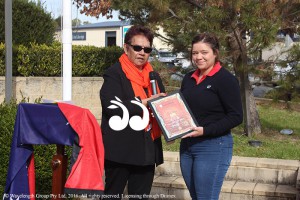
{"x": 173, "y": 115}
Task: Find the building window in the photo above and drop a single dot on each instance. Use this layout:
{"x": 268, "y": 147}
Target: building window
{"x": 79, "y": 36}
{"x": 110, "y": 38}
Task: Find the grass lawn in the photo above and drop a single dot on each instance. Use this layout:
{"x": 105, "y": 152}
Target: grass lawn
{"x": 274, "y": 144}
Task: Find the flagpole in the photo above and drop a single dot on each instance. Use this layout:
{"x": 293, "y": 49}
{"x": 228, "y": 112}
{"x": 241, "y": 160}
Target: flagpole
{"x": 8, "y": 50}
{"x": 67, "y": 50}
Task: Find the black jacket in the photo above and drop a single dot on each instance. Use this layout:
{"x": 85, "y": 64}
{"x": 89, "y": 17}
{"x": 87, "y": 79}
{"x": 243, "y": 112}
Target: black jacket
{"x": 126, "y": 146}
{"x": 215, "y": 102}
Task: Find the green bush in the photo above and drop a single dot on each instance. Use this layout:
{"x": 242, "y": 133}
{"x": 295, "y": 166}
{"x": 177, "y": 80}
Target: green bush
{"x": 30, "y": 23}
{"x": 7, "y": 120}
{"x": 2, "y": 59}
{"x": 42, "y": 153}
{"x": 44, "y": 60}
{"x": 92, "y": 61}
{"x": 38, "y": 60}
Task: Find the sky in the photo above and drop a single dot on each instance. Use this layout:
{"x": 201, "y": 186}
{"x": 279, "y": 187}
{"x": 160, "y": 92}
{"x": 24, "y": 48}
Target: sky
{"x": 55, "y": 7}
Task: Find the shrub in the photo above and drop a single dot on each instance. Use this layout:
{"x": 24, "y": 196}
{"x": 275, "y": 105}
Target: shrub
{"x": 30, "y": 23}
{"x": 92, "y": 61}
{"x": 2, "y": 59}
{"x": 38, "y": 60}
{"x": 7, "y": 120}
{"x": 44, "y": 60}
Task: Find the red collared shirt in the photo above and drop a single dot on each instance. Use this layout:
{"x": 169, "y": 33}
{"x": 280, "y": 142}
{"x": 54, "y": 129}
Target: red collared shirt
{"x": 212, "y": 72}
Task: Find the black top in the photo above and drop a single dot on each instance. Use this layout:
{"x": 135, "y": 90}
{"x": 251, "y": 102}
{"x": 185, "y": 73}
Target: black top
{"x": 215, "y": 102}
{"x": 126, "y": 146}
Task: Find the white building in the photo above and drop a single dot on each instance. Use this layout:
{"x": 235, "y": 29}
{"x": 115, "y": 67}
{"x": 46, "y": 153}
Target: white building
{"x": 103, "y": 34}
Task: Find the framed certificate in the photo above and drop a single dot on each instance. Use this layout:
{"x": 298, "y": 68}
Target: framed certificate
{"x": 173, "y": 115}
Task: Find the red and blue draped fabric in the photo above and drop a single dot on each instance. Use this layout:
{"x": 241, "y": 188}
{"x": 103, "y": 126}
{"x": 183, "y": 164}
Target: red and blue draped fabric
{"x": 38, "y": 124}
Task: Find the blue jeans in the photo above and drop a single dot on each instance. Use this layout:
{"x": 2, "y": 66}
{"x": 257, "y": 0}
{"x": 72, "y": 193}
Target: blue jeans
{"x": 204, "y": 163}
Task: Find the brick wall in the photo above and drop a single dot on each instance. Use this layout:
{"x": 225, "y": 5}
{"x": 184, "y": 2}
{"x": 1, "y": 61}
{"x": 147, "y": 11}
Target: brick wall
{"x": 85, "y": 90}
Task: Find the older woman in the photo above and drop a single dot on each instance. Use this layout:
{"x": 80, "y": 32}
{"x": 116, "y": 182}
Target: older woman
{"x": 132, "y": 148}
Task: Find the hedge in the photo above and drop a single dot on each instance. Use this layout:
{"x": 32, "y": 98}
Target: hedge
{"x": 43, "y": 60}
{"x": 7, "y": 120}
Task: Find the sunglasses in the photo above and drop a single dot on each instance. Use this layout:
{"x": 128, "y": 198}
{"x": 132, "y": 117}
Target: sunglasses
{"x": 139, "y": 48}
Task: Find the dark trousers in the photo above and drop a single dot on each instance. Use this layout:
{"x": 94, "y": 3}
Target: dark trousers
{"x": 138, "y": 179}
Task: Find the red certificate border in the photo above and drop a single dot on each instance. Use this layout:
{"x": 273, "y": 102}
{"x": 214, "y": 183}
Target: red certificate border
{"x": 173, "y": 115}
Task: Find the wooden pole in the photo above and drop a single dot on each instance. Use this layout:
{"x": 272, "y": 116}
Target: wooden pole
{"x": 59, "y": 172}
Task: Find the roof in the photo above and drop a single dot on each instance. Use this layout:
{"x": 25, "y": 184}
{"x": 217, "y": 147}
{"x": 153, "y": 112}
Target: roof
{"x": 106, "y": 24}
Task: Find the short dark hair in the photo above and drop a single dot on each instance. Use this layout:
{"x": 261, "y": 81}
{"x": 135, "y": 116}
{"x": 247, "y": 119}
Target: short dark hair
{"x": 138, "y": 30}
{"x": 209, "y": 39}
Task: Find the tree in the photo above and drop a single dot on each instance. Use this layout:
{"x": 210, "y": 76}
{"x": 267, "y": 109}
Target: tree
{"x": 76, "y": 22}
{"x": 95, "y": 7}
{"x": 30, "y": 23}
{"x": 58, "y": 22}
{"x": 244, "y": 27}
{"x": 289, "y": 84}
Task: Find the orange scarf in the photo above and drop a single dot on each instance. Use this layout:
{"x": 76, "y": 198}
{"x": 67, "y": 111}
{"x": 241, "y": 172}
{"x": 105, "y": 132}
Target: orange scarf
{"x": 139, "y": 81}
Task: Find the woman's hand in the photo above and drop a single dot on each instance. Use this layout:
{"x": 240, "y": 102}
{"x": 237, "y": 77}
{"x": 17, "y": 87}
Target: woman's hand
{"x": 197, "y": 131}
{"x": 145, "y": 101}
